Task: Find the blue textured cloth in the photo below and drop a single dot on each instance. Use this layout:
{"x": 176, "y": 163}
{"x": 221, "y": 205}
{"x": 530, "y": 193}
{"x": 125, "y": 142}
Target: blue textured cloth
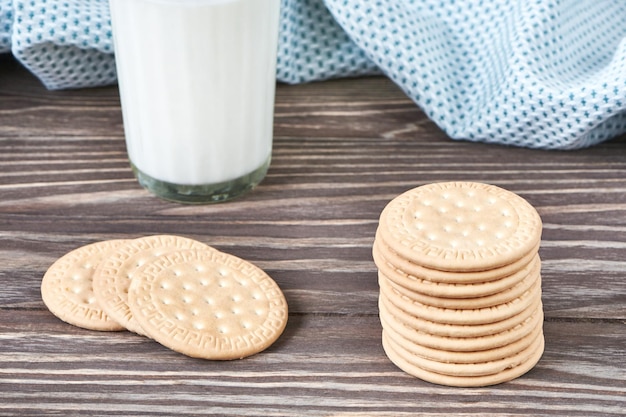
{"x": 533, "y": 73}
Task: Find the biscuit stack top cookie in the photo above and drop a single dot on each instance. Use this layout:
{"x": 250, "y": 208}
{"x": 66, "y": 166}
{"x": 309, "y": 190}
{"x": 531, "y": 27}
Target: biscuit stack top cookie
{"x": 460, "y": 286}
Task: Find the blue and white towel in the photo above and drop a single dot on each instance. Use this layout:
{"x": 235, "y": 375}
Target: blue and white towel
{"x": 534, "y": 73}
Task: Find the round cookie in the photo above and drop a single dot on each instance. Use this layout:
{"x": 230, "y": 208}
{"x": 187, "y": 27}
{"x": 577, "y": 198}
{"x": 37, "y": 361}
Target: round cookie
{"x": 396, "y": 356}
{"x": 460, "y": 226}
{"x": 461, "y": 344}
{"x": 504, "y": 296}
{"x": 112, "y": 278}
{"x": 424, "y": 285}
{"x": 67, "y": 291}
{"x": 463, "y": 357}
{"x": 470, "y": 369}
{"x": 469, "y": 332}
{"x": 382, "y": 251}
{"x": 462, "y": 316}
{"x": 208, "y": 304}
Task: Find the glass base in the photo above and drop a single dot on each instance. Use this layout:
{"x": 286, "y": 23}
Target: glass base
{"x": 203, "y": 193}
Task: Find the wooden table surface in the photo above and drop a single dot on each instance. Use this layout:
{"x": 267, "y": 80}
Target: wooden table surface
{"x": 343, "y": 149}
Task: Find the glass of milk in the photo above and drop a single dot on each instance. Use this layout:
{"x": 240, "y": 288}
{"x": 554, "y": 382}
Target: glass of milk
{"x": 197, "y": 81}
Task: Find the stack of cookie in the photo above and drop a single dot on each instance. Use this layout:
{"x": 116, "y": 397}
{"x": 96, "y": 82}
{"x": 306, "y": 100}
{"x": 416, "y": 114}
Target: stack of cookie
{"x": 460, "y": 285}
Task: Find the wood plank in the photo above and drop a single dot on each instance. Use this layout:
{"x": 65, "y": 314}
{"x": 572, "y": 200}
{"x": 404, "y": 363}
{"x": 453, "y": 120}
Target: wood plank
{"x": 109, "y": 373}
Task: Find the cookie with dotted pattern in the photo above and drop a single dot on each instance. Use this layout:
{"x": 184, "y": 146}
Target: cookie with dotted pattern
{"x": 516, "y": 290}
{"x": 473, "y": 335}
{"x": 451, "y": 290}
{"x": 402, "y": 359}
{"x": 67, "y": 290}
{"x": 383, "y": 254}
{"x": 390, "y": 318}
{"x": 460, "y": 226}
{"x": 463, "y": 357}
{"x": 112, "y": 277}
{"x": 208, "y": 304}
{"x": 468, "y": 368}
{"x": 470, "y": 316}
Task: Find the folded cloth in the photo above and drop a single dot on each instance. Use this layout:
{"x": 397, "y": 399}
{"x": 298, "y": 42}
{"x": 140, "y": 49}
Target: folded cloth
{"x": 534, "y": 73}
{"x": 6, "y": 24}
{"x": 67, "y": 44}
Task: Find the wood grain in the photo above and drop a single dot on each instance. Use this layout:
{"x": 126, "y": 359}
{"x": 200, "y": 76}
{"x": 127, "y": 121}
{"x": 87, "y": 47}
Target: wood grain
{"x": 343, "y": 149}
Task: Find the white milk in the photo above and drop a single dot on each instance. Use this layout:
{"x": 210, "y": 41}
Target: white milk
{"x": 197, "y": 80}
